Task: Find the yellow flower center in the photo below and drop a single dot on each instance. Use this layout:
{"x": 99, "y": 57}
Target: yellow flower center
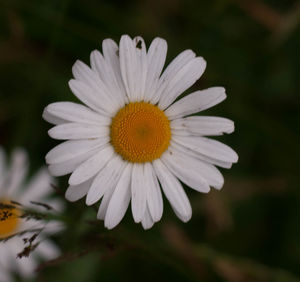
{"x": 9, "y": 218}
{"x": 140, "y": 132}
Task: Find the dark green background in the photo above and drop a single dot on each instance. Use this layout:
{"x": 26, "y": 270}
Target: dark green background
{"x": 250, "y": 230}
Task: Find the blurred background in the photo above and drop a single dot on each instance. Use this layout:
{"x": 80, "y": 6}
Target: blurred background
{"x": 248, "y": 231}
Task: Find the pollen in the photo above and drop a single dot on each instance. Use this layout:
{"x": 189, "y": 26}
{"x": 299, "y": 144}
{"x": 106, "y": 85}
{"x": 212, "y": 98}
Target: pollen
{"x": 140, "y": 132}
{"x": 9, "y": 218}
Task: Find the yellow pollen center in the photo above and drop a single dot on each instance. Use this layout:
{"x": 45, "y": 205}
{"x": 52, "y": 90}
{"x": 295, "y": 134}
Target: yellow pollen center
{"x": 140, "y": 132}
{"x": 9, "y": 218}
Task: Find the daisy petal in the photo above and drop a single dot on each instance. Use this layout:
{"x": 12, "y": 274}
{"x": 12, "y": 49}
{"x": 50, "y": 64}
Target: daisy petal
{"x": 196, "y": 102}
{"x": 179, "y": 62}
{"x": 74, "y": 130}
{"x": 202, "y": 125}
{"x": 5, "y": 275}
{"x": 183, "y": 80}
{"x": 154, "y": 197}
{"x": 205, "y": 170}
{"x": 105, "y": 202}
{"x": 147, "y": 221}
{"x": 156, "y": 58}
{"x": 68, "y": 166}
{"x": 91, "y": 166}
{"x": 17, "y": 172}
{"x": 76, "y": 192}
{"x": 120, "y": 199}
{"x": 73, "y": 112}
{"x": 38, "y": 187}
{"x": 26, "y": 266}
{"x": 2, "y": 167}
{"x": 200, "y": 156}
{"x": 208, "y": 147}
{"x": 95, "y": 99}
{"x": 71, "y": 149}
{"x": 111, "y": 55}
{"x": 6, "y": 259}
{"x": 84, "y": 74}
{"x": 138, "y": 192}
{"x": 48, "y": 250}
{"x": 172, "y": 69}
{"x": 128, "y": 65}
{"x": 173, "y": 191}
{"x": 106, "y": 179}
{"x": 181, "y": 169}
{"x": 142, "y": 66}
{"x": 51, "y": 118}
{"x": 107, "y": 75}
{"x": 56, "y": 204}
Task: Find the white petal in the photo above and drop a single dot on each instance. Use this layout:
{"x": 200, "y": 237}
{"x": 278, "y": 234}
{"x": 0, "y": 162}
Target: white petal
{"x": 206, "y": 170}
{"x": 142, "y": 65}
{"x": 38, "y": 187}
{"x": 202, "y": 125}
{"x": 27, "y": 266}
{"x": 5, "y": 275}
{"x": 105, "y": 202}
{"x": 51, "y": 118}
{"x": 6, "y": 253}
{"x": 138, "y": 192}
{"x": 200, "y": 156}
{"x": 133, "y": 64}
{"x": 73, "y": 112}
{"x": 53, "y": 227}
{"x": 154, "y": 197}
{"x": 182, "y": 170}
{"x": 17, "y": 172}
{"x": 2, "y": 168}
{"x": 76, "y": 192}
{"x": 94, "y": 98}
{"x": 120, "y": 199}
{"x": 48, "y": 250}
{"x": 56, "y": 204}
{"x": 147, "y": 221}
{"x": 156, "y": 58}
{"x": 71, "y": 149}
{"x": 106, "y": 179}
{"x": 91, "y": 166}
{"x": 196, "y": 102}
{"x": 70, "y": 165}
{"x": 178, "y": 62}
{"x": 107, "y": 75}
{"x": 78, "y": 131}
{"x": 128, "y": 65}
{"x": 173, "y": 191}
{"x": 208, "y": 147}
{"x": 172, "y": 69}
{"x": 111, "y": 55}
{"x": 88, "y": 76}
{"x": 183, "y": 80}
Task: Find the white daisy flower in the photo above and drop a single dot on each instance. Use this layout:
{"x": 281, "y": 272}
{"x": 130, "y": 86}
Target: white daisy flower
{"x": 13, "y": 195}
{"x": 132, "y": 138}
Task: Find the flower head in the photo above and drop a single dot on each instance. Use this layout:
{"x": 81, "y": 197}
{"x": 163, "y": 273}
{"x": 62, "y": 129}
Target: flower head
{"x": 132, "y": 139}
{"x": 15, "y": 229}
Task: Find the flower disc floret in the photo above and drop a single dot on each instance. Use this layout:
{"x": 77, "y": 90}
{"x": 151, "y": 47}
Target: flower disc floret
{"x": 140, "y": 132}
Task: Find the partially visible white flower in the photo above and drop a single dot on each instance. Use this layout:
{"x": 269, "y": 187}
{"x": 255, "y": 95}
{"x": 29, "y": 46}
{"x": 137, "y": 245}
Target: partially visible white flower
{"x": 13, "y": 190}
{"x": 132, "y": 138}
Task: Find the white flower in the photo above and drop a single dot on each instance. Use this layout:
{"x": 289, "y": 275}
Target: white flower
{"x": 132, "y": 138}
{"x": 13, "y": 192}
